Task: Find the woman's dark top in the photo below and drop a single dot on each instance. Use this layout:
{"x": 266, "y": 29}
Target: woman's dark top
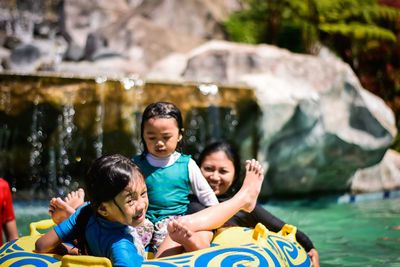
{"x": 259, "y": 214}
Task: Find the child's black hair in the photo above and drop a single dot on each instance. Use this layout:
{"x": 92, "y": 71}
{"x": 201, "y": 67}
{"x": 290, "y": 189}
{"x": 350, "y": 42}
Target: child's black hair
{"x": 106, "y": 178}
{"x": 232, "y": 153}
{"x": 160, "y": 110}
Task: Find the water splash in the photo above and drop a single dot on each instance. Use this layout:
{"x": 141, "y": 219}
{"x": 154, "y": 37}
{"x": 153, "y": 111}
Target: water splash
{"x": 215, "y": 120}
{"x": 213, "y": 111}
{"x": 99, "y": 117}
{"x": 36, "y": 139}
{"x": 133, "y": 85}
{"x": 208, "y": 89}
{"x": 66, "y": 128}
{"x": 195, "y": 135}
{"x": 230, "y": 122}
{"x": 67, "y": 122}
{"x": 132, "y": 82}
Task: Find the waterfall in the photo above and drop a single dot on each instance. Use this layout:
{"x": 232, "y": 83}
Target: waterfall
{"x": 53, "y": 127}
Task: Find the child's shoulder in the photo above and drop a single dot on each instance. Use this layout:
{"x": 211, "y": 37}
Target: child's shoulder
{"x": 184, "y": 157}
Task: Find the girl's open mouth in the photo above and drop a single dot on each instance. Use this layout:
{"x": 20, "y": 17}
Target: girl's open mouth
{"x": 139, "y": 217}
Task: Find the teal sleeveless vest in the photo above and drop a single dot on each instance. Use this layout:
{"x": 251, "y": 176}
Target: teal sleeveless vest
{"x": 168, "y": 188}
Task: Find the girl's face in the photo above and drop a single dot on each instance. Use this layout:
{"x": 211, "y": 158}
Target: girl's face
{"x": 129, "y": 206}
{"x": 219, "y": 171}
{"x": 161, "y": 136}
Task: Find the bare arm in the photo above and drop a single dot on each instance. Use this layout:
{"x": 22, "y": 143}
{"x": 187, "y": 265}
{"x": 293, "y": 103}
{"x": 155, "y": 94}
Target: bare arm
{"x": 10, "y": 230}
{"x": 47, "y": 242}
{"x": 313, "y": 253}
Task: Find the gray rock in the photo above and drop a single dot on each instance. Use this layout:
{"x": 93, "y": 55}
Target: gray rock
{"x": 105, "y": 53}
{"x": 11, "y": 42}
{"x": 85, "y": 17}
{"x": 24, "y": 57}
{"x": 384, "y": 176}
{"x": 94, "y": 43}
{"x": 318, "y": 125}
{"x": 74, "y": 52}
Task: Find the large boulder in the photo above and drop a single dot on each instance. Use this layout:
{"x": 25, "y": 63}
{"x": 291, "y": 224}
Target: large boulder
{"x": 318, "y": 125}
{"x": 143, "y": 32}
{"x": 84, "y": 17}
{"x": 137, "y": 33}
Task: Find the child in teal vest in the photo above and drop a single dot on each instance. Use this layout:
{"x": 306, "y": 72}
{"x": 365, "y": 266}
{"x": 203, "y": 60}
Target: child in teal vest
{"x": 170, "y": 176}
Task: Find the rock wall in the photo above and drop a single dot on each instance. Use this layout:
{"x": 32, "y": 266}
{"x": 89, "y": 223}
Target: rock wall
{"x": 318, "y": 125}
{"x": 320, "y": 131}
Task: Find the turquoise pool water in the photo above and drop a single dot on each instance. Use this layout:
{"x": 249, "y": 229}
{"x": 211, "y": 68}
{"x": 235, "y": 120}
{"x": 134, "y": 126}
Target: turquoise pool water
{"x": 357, "y": 234}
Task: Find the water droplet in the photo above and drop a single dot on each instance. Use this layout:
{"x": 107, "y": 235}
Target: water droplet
{"x": 208, "y": 89}
{"x": 101, "y": 79}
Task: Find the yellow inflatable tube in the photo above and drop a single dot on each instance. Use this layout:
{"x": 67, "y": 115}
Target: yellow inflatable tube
{"x": 233, "y": 246}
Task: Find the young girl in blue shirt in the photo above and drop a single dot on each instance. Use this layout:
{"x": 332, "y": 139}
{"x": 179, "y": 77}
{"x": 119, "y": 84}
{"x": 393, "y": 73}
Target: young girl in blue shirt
{"x": 118, "y": 202}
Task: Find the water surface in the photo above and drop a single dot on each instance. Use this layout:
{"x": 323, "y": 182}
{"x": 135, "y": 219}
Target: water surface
{"x": 357, "y": 234}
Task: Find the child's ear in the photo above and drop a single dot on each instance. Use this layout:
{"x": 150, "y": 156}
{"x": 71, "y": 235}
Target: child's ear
{"x": 181, "y": 135}
{"x": 102, "y": 210}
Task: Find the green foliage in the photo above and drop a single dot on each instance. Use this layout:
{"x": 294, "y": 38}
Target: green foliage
{"x": 248, "y": 25}
{"x": 359, "y": 31}
{"x": 357, "y": 19}
{"x": 242, "y": 30}
{"x": 264, "y": 21}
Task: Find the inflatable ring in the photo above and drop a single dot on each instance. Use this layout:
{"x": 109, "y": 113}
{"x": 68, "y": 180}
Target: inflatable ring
{"x": 233, "y": 246}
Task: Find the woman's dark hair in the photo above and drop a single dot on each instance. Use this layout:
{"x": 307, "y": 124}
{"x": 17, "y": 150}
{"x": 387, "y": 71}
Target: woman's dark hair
{"x": 232, "y": 154}
{"x": 160, "y": 110}
{"x": 106, "y": 178}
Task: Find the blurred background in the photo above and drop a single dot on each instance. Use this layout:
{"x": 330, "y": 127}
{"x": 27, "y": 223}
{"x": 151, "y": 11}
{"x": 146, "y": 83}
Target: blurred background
{"x": 309, "y": 87}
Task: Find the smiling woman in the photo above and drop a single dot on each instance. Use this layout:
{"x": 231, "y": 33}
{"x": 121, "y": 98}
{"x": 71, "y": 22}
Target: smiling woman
{"x": 221, "y": 168}
{"x": 220, "y": 165}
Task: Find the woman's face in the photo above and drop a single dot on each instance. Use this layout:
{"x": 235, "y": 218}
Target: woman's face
{"x": 219, "y": 171}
